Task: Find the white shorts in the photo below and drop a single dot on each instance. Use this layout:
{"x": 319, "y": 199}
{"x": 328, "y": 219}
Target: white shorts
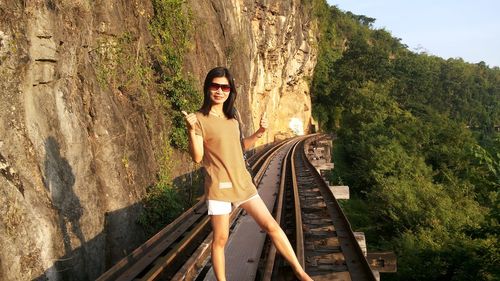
{"x": 216, "y": 207}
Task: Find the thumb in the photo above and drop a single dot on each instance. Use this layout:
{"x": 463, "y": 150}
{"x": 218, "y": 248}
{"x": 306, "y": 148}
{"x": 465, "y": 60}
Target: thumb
{"x": 264, "y": 115}
{"x": 184, "y": 112}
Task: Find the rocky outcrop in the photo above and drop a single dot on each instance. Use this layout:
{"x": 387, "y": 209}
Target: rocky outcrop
{"x": 76, "y": 154}
{"x": 269, "y": 47}
{"x": 69, "y": 203}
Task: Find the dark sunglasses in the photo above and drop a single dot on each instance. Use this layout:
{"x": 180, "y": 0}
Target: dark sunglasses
{"x": 215, "y": 86}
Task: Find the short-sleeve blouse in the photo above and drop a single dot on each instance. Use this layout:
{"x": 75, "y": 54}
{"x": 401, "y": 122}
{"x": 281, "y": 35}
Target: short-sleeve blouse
{"x": 226, "y": 177}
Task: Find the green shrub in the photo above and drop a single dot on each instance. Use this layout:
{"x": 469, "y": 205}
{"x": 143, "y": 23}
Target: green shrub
{"x": 161, "y": 206}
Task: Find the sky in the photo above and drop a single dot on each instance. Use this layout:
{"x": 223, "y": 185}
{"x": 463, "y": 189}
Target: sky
{"x": 462, "y": 28}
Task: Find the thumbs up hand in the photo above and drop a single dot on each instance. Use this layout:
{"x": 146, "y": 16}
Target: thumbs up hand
{"x": 191, "y": 120}
{"x": 263, "y": 122}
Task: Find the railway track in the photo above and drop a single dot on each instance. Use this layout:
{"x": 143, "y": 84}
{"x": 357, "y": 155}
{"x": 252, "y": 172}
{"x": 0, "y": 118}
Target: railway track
{"x": 316, "y": 225}
{"x": 287, "y": 203}
{"x": 310, "y": 215}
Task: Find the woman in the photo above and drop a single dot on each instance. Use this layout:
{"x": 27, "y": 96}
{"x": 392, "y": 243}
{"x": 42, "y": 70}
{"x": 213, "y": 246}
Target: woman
{"x": 214, "y": 137}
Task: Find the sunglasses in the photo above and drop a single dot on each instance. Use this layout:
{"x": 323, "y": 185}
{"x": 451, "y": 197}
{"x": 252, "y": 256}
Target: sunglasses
{"x": 215, "y": 86}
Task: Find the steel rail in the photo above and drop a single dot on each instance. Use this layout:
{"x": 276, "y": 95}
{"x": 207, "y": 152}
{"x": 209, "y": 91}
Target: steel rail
{"x": 264, "y": 155}
{"x": 141, "y": 257}
{"x": 299, "y": 233}
{"x": 358, "y": 266}
{"x": 271, "y": 255}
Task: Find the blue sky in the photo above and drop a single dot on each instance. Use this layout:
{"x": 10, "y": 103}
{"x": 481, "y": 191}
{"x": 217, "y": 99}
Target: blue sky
{"x": 462, "y": 28}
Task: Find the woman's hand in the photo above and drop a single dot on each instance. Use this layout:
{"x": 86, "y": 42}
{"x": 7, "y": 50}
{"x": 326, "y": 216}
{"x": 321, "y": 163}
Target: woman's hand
{"x": 263, "y": 123}
{"x": 191, "y": 120}
{"x": 251, "y": 140}
{"x": 195, "y": 141}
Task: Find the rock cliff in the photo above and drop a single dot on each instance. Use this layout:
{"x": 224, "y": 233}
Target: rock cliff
{"x": 270, "y": 47}
{"x": 77, "y": 153}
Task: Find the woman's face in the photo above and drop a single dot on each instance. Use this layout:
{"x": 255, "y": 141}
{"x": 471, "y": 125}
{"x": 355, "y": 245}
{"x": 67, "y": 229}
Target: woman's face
{"x": 219, "y": 90}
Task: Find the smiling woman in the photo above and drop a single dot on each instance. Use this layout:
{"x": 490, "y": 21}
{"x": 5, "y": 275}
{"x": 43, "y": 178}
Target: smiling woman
{"x": 214, "y": 137}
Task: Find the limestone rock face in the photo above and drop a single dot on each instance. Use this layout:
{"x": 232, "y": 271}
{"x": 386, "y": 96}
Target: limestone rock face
{"x": 76, "y": 156}
{"x": 269, "y": 47}
{"x": 68, "y": 204}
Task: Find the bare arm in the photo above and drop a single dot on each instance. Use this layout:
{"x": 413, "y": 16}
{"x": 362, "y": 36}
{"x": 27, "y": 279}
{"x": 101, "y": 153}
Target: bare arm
{"x": 195, "y": 141}
{"x": 250, "y": 141}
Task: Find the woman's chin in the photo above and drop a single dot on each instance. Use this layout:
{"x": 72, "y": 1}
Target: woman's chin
{"x": 216, "y": 101}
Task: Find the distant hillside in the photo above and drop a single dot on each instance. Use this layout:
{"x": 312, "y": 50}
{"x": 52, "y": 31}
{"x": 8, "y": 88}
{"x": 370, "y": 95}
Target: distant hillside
{"x": 419, "y": 145}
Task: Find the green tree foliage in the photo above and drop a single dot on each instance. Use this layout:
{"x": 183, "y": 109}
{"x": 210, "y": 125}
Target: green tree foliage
{"x": 172, "y": 27}
{"x": 416, "y": 142}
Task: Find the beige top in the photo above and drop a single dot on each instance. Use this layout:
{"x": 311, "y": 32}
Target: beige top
{"x": 226, "y": 177}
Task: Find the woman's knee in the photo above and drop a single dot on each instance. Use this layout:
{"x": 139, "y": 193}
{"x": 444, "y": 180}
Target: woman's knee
{"x": 271, "y": 226}
{"x": 220, "y": 240}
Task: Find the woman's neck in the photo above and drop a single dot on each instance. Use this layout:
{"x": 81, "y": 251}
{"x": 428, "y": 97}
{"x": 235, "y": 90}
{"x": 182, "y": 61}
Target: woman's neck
{"x": 218, "y": 108}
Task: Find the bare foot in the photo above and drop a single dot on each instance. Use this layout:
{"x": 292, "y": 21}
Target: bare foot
{"x": 303, "y": 276}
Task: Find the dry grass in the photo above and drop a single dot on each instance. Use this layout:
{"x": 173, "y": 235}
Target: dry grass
{"x": 83, "y": 6}
{"x": 12, "y": 218}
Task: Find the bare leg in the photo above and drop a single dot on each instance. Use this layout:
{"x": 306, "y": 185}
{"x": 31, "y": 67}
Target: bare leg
{"x": 258, "y": 210}
{"x": 220, "y": 227}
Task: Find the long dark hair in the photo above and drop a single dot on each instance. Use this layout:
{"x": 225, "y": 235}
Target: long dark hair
{"x": 228, "y": 106}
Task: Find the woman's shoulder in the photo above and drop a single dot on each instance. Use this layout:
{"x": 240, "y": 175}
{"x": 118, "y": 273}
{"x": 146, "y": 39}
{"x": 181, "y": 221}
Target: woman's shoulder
{"x": 202, "y": 117}
{"x": 200, "y": 114}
